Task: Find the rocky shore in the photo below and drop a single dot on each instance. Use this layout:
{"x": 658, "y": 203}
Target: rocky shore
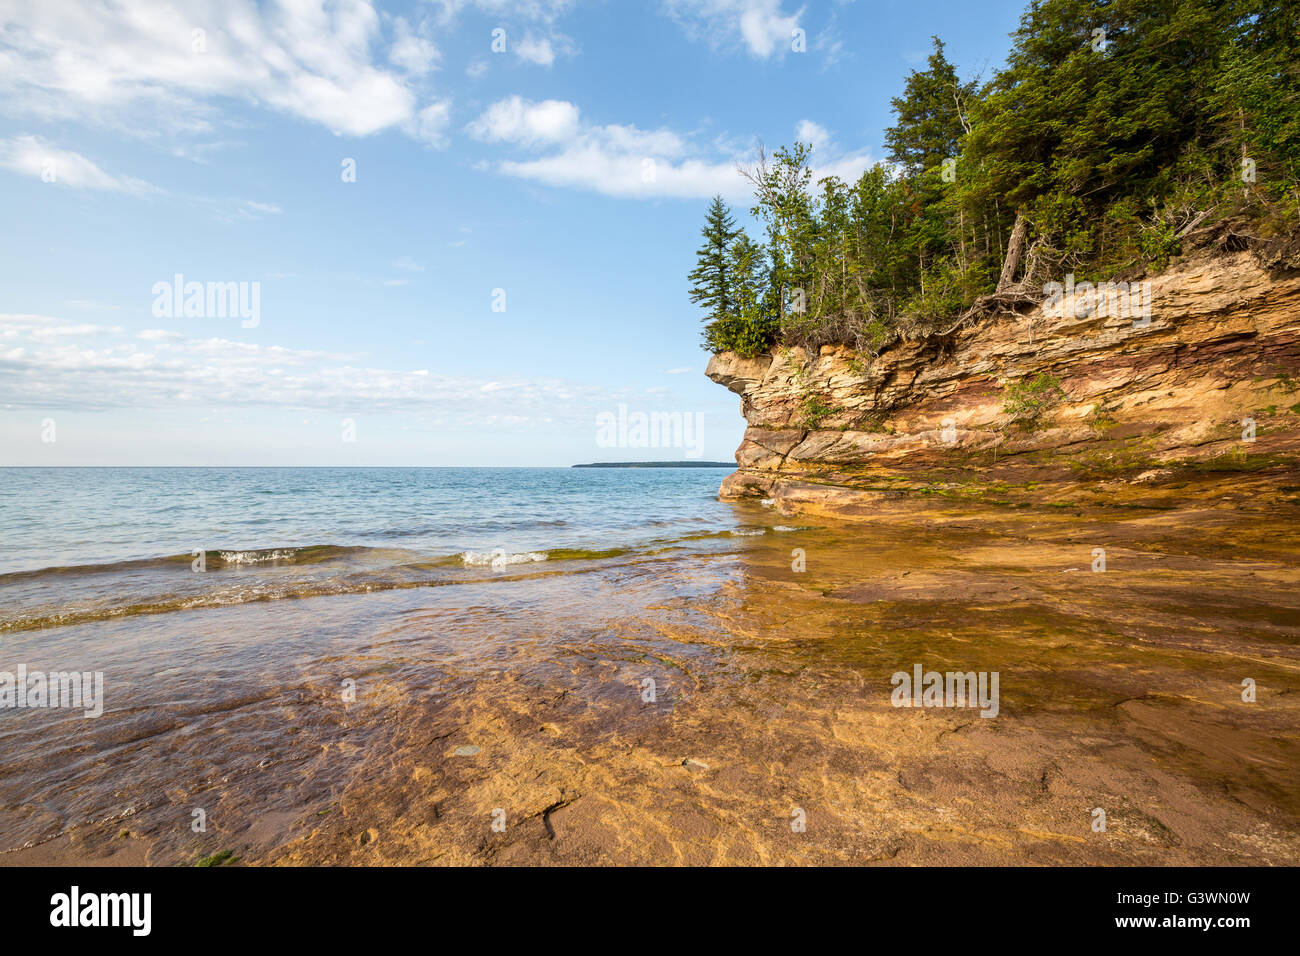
{"x": 1206, "y": 389}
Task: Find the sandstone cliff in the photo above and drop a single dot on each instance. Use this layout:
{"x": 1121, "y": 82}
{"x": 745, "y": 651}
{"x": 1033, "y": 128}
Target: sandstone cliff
{"x": 1161, "y": 408}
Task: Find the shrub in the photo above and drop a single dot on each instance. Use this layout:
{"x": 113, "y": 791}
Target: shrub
{"x": 1029, "y": 399}
{"x": 745, "y": 336}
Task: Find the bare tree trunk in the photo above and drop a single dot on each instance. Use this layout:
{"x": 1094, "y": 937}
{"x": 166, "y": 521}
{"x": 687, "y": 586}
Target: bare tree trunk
{"x": 1015, "y": 249}
{"x": 997, "y": 221}
{"x": 961, "y": 231}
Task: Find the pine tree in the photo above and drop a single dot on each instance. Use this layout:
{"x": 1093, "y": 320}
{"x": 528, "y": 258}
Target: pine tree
{"x": 745, "y": 259}
{"x": 712, "y": 283}
{"x": 1119, "y": 132}
{"x": 932, "y": 115}
{"x": 931, "y": 127}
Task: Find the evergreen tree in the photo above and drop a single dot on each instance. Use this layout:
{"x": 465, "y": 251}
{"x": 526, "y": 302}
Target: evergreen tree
{"x": 711, "y": 277}
{"x": 932, "y": 115}
{"x": 932, "y": 124}
{"x": 745, "y": 259}
{"x": 1118, "y": 131}
{"x": 752, "y": 328}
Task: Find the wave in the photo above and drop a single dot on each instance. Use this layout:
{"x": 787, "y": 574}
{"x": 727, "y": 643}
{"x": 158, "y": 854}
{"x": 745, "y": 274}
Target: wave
{"x": 273, "y": 555}
{"x": 213, "y": 558}
{"x": 499, "y": 558}
{"x": 342, "y": 580}
{"x": 63, "y": 596}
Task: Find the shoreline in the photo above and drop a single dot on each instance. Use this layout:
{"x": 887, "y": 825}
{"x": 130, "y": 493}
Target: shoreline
{"x": 1119, "y": 690}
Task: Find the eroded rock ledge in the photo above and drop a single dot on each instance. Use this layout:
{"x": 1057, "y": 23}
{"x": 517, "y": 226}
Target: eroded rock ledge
{"x": 1155, "y": 408}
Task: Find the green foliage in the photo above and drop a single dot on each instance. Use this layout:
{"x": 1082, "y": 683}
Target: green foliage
{"x": 728, "y": 282}
{"x": 735, "y": 334}
{"x": 1115, "y": 130}
{"x": 814, "y": 411}
{"x": 220, "y": 858}
{"x": 1029, "y": 399}
{"x": 1101, "y": 419}
{"x": 712, "y": 279}
{"x": 931, "y": 115}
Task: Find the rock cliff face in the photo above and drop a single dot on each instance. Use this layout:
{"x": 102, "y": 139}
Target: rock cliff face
{"x": 1162, "y": 406}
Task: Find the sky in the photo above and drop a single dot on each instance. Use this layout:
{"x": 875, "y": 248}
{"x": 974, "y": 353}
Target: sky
{"x": 449, "y": 232}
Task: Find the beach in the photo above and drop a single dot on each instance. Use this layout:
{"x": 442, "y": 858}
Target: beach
{"x": 660, "y": 685}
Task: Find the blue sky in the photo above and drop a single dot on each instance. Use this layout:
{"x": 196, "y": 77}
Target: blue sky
{"x": 563, "y": 175}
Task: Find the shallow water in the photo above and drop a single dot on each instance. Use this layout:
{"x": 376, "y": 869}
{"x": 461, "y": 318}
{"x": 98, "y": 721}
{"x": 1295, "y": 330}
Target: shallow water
{"x": 368, "y": 703}
{"x": 309, "y": 577}
{"x": 82, "y": 545}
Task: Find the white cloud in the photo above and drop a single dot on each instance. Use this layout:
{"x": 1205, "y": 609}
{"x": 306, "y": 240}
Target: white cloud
{"x": 762, "y": 26}
{"x": 812, "y": 133}
{"x": 150, "y": 67}
{"x": 431, "y": 123}
{"x": 236, "y": 210}
{"x": 409, "y": 264}
{"x": 614, "y": 159}
{"x": 45, "y": 328}
{"x": 541, "y": 11}
{"x": 591, "y": 166}
{"x": 543, "y": 50}
{"x": 626, "y": 161}
{"x": 159, "y": 335}
{"x": 33, "y": 156}
{"x": 523, "y": 122}
{"x": 830, "y": 43}
{"x": 412, "y": 52}
{"x": 535, "y": 49}
{"x": 47, "y": 362}
{"x": 828, "y": 159}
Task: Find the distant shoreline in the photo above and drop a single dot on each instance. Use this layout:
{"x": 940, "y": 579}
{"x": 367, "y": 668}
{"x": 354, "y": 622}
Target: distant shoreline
{"x": 659, "y": 464}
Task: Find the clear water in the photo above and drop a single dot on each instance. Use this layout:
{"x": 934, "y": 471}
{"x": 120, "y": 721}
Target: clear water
{"x": 223, "y": 680}
{"x": 60, "y": 517}
{"x": 91, "y": 544}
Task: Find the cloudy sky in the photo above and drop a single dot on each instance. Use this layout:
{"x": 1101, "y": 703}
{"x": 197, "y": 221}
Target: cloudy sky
{"x": 461, "y": 228}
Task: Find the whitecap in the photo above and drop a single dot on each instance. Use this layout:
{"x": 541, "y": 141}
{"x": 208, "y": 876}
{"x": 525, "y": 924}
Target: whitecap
{"x": 256, "y": 557}
{"x": 499, "y": 558}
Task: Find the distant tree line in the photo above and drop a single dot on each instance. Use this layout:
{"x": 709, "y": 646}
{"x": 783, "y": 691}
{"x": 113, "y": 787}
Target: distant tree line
{"x": 1119, "y": 132}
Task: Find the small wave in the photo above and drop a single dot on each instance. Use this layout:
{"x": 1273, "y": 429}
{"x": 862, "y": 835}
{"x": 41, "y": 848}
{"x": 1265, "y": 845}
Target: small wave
{"x": 274, "y": 587}
{"x": 747, "y": 532}
{"x": 499, "y": 558}
{"x": 257, "y": 557}
{"x": 214, "y": 558}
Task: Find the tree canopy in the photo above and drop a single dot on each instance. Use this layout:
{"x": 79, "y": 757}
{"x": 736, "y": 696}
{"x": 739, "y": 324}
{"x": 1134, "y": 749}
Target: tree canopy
{"x": 1118, "y": 132}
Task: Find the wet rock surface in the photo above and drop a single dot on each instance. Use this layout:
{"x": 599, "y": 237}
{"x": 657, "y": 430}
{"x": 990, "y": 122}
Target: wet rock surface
{"x": 769, "y": 734}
